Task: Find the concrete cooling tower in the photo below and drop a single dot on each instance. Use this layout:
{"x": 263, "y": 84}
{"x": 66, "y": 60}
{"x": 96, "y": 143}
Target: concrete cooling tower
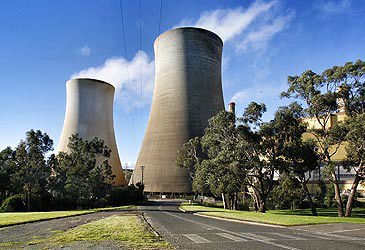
{"x": 188, "y": 91}
{"x": 89, "y": 112}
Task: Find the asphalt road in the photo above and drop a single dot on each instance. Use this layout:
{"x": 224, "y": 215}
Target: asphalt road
{"x": 189, "y": 231}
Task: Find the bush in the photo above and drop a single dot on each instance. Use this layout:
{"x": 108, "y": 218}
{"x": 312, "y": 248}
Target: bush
{"x": 318, "y": 192}
{"x": 125, "y": 195}
{"x": 286, "y": 194}
{"x": 244, "y": 206}
{"x": 329, "y": 200}
{"x": 13, "y": 204}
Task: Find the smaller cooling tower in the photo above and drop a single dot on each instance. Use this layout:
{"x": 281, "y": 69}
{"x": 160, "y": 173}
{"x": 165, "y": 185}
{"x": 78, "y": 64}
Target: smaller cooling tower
{"x": 89, "y": 113}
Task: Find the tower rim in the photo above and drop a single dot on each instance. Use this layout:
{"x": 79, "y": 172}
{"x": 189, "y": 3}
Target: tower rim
{"x": 88, "y": 80}
{"x": 211, "y": 33}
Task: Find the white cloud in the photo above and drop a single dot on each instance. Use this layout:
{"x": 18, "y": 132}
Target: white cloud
{"x": 334, "y": 7}
{"x": 258, "y": 38}
{"x": 225, "y": 61}
{"x": 85, "y": 51}
{"x": 239, "y": 97}
{"x": 229, "y": 23}
{"x": 254, "y": 25}
{"x": 114, "y": 71}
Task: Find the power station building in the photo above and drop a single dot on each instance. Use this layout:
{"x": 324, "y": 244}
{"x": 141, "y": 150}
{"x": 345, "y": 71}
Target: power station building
{"x": 187, "y": 92}
{"x": 89, "y": 113}
{"x": 344, "y": 177}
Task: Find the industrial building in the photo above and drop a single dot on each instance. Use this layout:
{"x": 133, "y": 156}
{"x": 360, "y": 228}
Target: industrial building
{"x": 344, "y": 177}
{"x": 89, "y": 113}
{"x": 187, "y": 92}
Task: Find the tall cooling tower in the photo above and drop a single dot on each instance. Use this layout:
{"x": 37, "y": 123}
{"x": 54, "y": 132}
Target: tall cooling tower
{"x": 89, "y": 112}
{"x": 188, "y": 91}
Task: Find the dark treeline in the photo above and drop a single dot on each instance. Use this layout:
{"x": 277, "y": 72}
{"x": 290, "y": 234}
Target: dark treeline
{"x": 32, "y": 179}
{"x": 271, "y": 161}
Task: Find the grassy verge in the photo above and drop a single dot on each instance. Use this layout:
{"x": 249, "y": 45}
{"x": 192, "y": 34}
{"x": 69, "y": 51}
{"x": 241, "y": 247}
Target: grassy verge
{"x": 280, "y": 217}
{"x": 128, "y": 231}
{"x": 8, "y": 219}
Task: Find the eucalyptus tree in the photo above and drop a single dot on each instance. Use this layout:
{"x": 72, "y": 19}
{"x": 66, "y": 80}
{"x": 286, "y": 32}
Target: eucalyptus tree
{"x": 236, "y": 153}
{"x": 320, "y": 98}
{"x": 216, "y": 163}
{"x": 261, "y": 152}
{"x": 299, "y": 156}
{"x": 355, "y": 155}
{"x": 191, "y": 157}
{"x": 226, "y": 162}
{"x": 340, "y": 88}
{"x": 351, "y": 80}
{"x": 32, "y": 172}
{"x": 6, "y": 171}
{"x": 83, "y": 175}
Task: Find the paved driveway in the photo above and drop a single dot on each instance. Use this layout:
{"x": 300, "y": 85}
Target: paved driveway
{"x": 188, "y": 231}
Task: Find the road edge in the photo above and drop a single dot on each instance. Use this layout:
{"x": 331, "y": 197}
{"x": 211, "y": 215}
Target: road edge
{"x": 150, "y": 225}
{"x": 233, "y": 220}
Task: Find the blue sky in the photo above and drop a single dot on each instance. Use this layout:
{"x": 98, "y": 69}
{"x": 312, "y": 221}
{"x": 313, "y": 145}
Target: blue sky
{"x": 45, "y": 43}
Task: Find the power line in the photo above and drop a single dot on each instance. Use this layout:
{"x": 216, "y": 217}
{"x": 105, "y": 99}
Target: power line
{"x": 140, "y": 60}
{"x": 158, "y": 37}
{"x": 159, "y": 26}
{"x": 126, "y": 58}
{"x": 159, "y": 23}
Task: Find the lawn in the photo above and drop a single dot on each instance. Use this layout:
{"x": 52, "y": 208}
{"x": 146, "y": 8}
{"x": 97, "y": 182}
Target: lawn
{"x": 280, "y": 217}
{"x": 124, "y": 231}
{"x": 8, "y": 219}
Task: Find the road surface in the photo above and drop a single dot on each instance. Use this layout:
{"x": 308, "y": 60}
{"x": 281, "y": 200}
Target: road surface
{"x": 189, "y": 231}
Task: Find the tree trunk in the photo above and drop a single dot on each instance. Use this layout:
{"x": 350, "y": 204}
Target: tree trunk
{"x": 229, "y": 201}
{"x": 234, "y": 201}
{"x": 262, "y": 208}
{"x": 257, "y": 200}
{"x": 337, "y": 195}
{"x": 311, "y": 204}
{"x": 28, "y": 193}
{"x": 261, "y": 202}
{"x": 351, "y": 198}
{"x": 224, "y": 201}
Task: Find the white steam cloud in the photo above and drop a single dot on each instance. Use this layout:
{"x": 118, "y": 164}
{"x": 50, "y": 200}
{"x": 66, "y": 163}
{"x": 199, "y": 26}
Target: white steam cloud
{"x": 125, "y": 76}
{"x": 253, "y": 26}
{"x": 239, "y": 97}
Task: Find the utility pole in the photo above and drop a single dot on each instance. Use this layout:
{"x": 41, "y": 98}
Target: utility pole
{"x": 142, "y": 168}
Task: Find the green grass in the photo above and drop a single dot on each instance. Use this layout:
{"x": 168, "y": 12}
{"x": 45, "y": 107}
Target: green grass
{"x": 8, "y": 219}
{"x": 280, "y": 217}
{"x": 130, "y": 230}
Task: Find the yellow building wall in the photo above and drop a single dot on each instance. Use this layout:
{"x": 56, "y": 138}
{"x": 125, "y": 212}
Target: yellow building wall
{"x": 312, "y": 123}
{"x": 340, "y": 154}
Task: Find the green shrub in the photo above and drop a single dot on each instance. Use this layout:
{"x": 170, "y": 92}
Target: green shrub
{"x": 13, "y": 204}
{"x": 244, "y": 206}
{"x": 126, "y": 195}
{"x": 329, "y": 200}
